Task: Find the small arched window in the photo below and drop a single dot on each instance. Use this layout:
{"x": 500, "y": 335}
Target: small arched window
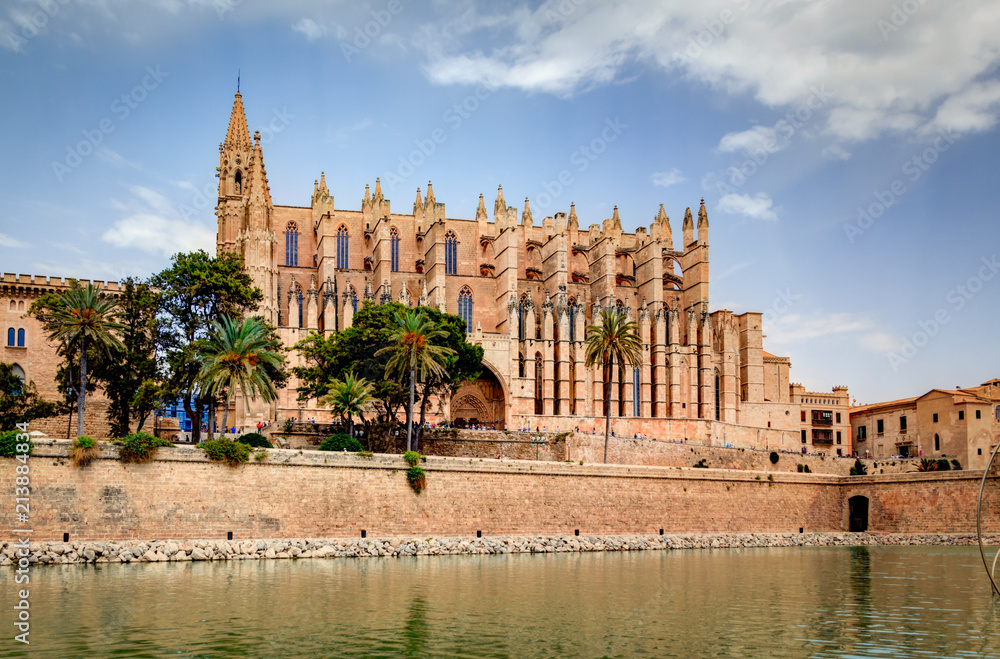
{"x": 292, "y": 244}
{"x": 636, "y": 394}
{"x": 353, "y": 294}
{"x": 937, "y": 442}
{"x": 572, "y": 319}
{"x": 238, "y": 182}
{"x": 13, "y": 305}
{"x": 465, "y": 307}
{"x": 20, "y": 338}
{"x": 20, "y": 305}
{"x": 522, "y": 314}
{"x": 450, "y": 253}
{"x": 19, "y": 374}
{"x": 11, "y": 333}
{"x": 342, "y": 253}
{"x": 520, "y": 365}
{"x": 299, "y": 298}
{"x": 394, "y": 242}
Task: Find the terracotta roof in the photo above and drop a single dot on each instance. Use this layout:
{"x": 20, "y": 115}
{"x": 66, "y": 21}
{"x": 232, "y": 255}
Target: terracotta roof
{"x": 888, "y": 403}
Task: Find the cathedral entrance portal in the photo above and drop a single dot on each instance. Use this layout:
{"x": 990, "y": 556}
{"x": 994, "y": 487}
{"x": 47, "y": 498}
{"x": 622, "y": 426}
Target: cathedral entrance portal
{"x": 479, "y": 403}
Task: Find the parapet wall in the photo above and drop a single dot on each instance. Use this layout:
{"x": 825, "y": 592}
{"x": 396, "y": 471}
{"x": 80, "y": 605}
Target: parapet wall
{"x": 303, "y": 494}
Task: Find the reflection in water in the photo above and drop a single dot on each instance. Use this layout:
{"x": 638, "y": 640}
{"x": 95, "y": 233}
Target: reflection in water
{"x": 818, "y": 602}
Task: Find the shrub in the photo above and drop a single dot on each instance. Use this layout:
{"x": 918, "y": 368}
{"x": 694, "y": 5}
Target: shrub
{"x": 139, "y": 447}
{"x": 288, "y": 426}
{"x": 943, "y": 465}
{"x": 804, "y": 469}
{"x": 341, "y": 442}
{"x": 701, "y": 464}
{"x": 8, "y": 444}
{"x": 255, "y": 440}
{"x": 84, "y": 451}
{"x": 412, "y": 458}
{"x": 774, "y": 457}
{"x": 859, "y": 468}
{"x": 226, "y": 450}
{"x": 417, "y": 478}
{"x": 927, "y": 464}
{"x": 956, "y": 465}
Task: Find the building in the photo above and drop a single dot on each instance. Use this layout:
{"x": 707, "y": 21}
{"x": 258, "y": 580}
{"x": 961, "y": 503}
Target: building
{"x": 961, "y": 424}
{"x": 527, "y": 289}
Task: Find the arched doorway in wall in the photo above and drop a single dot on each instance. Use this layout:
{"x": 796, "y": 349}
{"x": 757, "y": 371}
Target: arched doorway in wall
{"x": 481, "y": 402}
{"x": 857, "y": 514}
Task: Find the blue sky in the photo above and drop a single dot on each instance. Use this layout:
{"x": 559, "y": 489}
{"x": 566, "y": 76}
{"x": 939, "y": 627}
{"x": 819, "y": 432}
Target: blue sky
{"x": 846, "y": 151}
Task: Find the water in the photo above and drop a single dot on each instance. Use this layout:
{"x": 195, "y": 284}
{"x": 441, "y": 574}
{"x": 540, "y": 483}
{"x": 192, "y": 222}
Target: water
{"x": 797, "y": 602}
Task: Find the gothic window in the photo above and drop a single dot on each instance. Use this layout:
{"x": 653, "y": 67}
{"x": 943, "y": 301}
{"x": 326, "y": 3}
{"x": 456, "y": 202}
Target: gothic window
{"x": 465, "y": 307}
{"x": 718, "y": 412}
{"x": 299, "y": 297}
{"x": 572, "y": 319}
{"x": 394, "y": 240}
{"x": 520, "y": 366}
{"x": 292, "y": 244}
{"x": 13, "y": 305}
{"x": 19, "y": 374}
{"x": 522, "y": 313}
{"x": 342, "y": 253}
{"x": 450, "y": 253}
{"x": 238, "y": 182}
{"x": 20, "y": 338}
{"x": 538, "y": 383}
{"x": 636, "y": 397}
{"x": 10, "y": 336}
{"x": 619, "y": 307}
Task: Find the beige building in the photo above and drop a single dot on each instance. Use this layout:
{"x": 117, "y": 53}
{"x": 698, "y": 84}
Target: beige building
{"x": 963, "y": 424}
{"x": 527, "y": 288}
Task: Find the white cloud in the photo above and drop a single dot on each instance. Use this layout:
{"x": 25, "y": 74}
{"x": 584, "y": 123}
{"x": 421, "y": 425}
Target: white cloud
{"x": 8, "y": 241}
{"x": 757, "y": 207}
{"x": 155, "y": 226}
{"x": 758, "y": 138}
{"x": 835, "y": 152}
{"x": 311, "y": 29}
{"x": 666, "y": 179}
{"x": 774, "y": 51}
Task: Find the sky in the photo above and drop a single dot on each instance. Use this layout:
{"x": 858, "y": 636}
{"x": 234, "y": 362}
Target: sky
{"x": 846, "y": 151}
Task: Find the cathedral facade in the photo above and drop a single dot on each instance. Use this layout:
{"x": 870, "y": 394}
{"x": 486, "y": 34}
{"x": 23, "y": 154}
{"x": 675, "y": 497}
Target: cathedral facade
{"x": 527, "y": 289}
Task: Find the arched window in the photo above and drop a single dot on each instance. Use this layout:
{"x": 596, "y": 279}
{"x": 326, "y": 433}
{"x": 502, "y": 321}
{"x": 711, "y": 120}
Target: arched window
{"x": 20, "y": 305}
{"x": 10, "y": 336}
{"x": 465, "y": 307}
{"x": 20, "y": 338}
{"x": 394, "y": 240}
{"x": 354, "y": 300}
{"x": 937, "y": 443}
{"x": 238, "y": 182}
{"x": 450, "y": 253}
{"x": 718, "y": 412}
{"x": 342, "y": 253}
{"x": 538, "y": 384}
{"x": 636, "y": 394}
{"x": 292, "y": 244}
{"x": 520, "y": 366}
{"x": 522, "y": 314}
{"x": 19, "y": 374}
{"x": 299, "y": 296}
{"x": 572, "y": 319}
{"x": 619, "y": 307}
{"x": 13, "y": 305}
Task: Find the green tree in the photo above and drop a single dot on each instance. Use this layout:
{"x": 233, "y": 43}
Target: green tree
{"x": 614, "y": 338}
{"x": 414, "y": 354}
{"x": 348, "y": 398}
{"x": 19, "y": 402}
{"x": 196, "y": 290}
{"x": 240, "y": 353}
{"x": 80, "y": 318}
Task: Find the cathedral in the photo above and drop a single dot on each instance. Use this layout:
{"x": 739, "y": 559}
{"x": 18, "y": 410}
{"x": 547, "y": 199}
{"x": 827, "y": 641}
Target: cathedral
{"x": 526, "y": 289}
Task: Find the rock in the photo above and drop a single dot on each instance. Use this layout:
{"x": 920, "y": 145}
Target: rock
{"x": 197, "y": 554}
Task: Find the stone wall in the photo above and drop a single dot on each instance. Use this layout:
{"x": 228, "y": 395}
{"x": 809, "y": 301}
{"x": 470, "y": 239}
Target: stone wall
{"x": 303, "y": 494}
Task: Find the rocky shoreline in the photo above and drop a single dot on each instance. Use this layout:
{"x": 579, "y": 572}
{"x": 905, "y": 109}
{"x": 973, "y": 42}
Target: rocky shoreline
{"x": 134, "y": 551}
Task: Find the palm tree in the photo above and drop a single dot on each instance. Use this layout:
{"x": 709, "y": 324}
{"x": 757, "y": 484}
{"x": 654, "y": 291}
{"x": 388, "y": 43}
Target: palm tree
{"x": 80, "y": 317}
{"x": 240, "y": 353}
{"x": 415, "y": 355}
{"x": 614, "y": 338}
{"x": 350, "y": 397}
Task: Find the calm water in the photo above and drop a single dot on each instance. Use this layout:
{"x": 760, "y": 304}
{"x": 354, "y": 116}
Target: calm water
{"x": 816, "y": 602}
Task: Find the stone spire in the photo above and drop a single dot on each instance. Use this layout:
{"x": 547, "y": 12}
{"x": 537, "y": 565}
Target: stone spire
{"x": 526, "y": 219}
{"x": 481, "y": 209}
{"x": 688, "y": 227}
{"x": 418, "y": 205}
{"x": 322, "y": 185}
{"x": 664, "y": 222}
{"x": 367, "y": 199}
{"x": 702, "y": 215}
{"x": 573, "y": 223}
{"x": 429, "y": 201}
{"x": 499, "y": 206}
{"x": 238, "y": 136}
{"x": 257, "y": 188}
{"x": 424, "y": 300}
{"x": 378, "y": 191}
{"x": 616, "y": 222}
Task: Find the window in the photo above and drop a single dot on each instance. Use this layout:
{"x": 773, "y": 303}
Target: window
{"x": 979, "y": 451}
{"x": 394, "y": 241}
{"x": 902, "y": 424}
{"x": 838, "y": 417}
{"x": 803, "y": 416}
{"x": 636, "y": 397}
{"x": 19, "y": 374}
{"x": 299, "y": 296}
{"x": 935, "y": 417}
{"x": 838, "y": 436}
{"x": 880, "y": 426}
{"x": 572, "y": 319}
{"x": 937, "y": 443}
{"x": 718, "y": 410}
{"x": 292, "y": 244}
{"x": 13, "y": 305}
{"x": 342, "y": 253}
{"x": 450, "y": 253}
{"x": 11, "y": 333}
{"x": 862, "y": 432}
{"x": 979, "y": 414}
{"x": 520, "y": 365}
{"x": 538, "y": 383}
{"x": 961, "y": 415}
{"x": 803, "y": 436}
{"x": 465, "y": 307}
{"x": 522, "y": 314}
{"x": 20, "y": 338}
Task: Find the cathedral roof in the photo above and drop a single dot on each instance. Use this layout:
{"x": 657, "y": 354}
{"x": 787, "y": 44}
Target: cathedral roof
{"x": 238, "y": 135}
